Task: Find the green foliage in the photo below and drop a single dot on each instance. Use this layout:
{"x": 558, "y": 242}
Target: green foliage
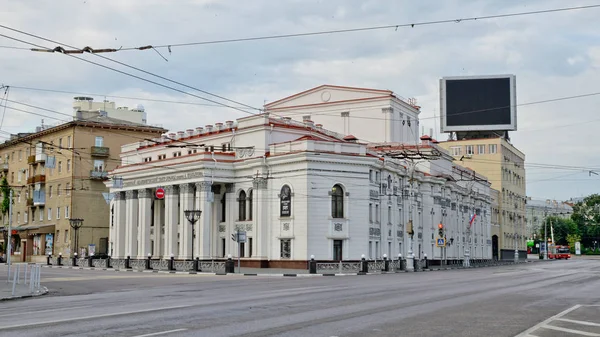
{"x": 5, "y": 190}
{"x": 571, "y": 239}
{"x": 562, "y": 228}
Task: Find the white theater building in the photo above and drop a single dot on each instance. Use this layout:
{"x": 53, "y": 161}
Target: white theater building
{"x": 297, "y": 190}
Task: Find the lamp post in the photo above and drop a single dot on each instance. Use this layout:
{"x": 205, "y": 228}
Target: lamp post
{"x": 193, "y": 216}
{"x": 76, "y": 223}
{"x": 516, "y": 248}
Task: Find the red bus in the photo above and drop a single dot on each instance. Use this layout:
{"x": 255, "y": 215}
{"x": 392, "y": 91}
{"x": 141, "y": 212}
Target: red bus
{"x": 559, "y": 252}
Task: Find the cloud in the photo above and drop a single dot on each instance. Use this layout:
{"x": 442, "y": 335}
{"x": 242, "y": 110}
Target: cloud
{"x": 552, "y": 55}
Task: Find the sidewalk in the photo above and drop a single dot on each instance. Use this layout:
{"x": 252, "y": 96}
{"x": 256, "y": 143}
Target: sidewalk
{"x": 21, "y": 289}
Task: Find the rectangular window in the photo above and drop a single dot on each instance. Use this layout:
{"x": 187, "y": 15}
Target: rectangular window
{"x": 19, "y": 197}
{"x": 68, "y": 165}
{"x": 177, "y": 154}
{"x": 49, "y": 193}
{"x": 60, "y": 167}
{"x": 147, "y": 159}
{"x": 19, "y": 176}
{"x": 389, "y": 219}
{"x": 480, "y": 149}
{"x": 99, "y": 165}
{"x": 376, "y": 213}
{"x": 68, "y": 188}
{"x": 66, "y": 235}
{"x": 69, "y": 141}
{"x": 57, "y": 213}
{"x": 242, "y": 249}
{"x": 57, "y": 235}
{"x": 456, "y": 150}
{"x": 377, "y": 249}
{"x": 469, "y": 149}
{"x": 67, "y": 212}
{"x": 370, "y": 249}
{"x": 493, "y": 148}
{"x": 26, "y": 216}
{"x": 370, "y": 213}
{"x": 20, "y": 155}
{"x": 49, "y": 213}
{"x": 60, "y": 143}
{"x": 41, "y": 215}
{"x": 58, "y": 188}
{"x": 99, "y": 141}
{"x": 286, "y": 249}
{"x": 162, "y": 156}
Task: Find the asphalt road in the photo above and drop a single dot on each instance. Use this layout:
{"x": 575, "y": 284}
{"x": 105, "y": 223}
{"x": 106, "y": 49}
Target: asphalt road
{"x": 536, "y": 299}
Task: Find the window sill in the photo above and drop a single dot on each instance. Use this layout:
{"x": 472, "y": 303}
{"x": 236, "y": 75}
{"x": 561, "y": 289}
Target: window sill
{"x": 338, "y": 219}
{"x": 285, "y": 218}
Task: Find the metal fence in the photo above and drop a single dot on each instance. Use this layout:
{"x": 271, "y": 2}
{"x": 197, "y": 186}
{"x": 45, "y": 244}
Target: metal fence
{"x": 31, "y": 275}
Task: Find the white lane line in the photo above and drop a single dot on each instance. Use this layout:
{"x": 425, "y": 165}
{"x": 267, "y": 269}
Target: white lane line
{"x": 160, "y": 333}
{"x": 29, "y": 313}
{"x": 32, "y": 324}
{"x": 577, "y": 332}
{"x": 539, "y": 325}
{"x": 578, "y": 322}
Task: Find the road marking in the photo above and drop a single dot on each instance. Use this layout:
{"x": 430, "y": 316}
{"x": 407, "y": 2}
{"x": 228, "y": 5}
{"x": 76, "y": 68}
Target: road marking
{"x": 578, "y": 322}
{"x": 539, "y": 325}
{"x": 160, "y": 333}
{"x": 578, "y": 332}
{"x": 46, "y": 310}
{"x": 90, "y": 317}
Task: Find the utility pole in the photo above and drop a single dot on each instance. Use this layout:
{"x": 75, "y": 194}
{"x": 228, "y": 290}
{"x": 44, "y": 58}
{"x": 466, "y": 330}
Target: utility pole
{"x": 545, "y": 237}
{"x": 410, "y": 256}
{"x": 8, "y": 244}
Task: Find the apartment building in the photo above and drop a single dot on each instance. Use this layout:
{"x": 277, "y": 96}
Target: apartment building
{"x": 504, "y": 166}
{"x": 57, "y": 175}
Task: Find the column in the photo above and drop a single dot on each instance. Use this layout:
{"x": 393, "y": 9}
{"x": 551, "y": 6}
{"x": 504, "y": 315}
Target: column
{"x": 131, "y": 221}
{"x": 118, "y": 238}
{"x": 186, "y": 195}
{"x": 159, "y": 222}
{"x": 204, "y": 228}
{"x": 261, "y": 219}
{"x": 171, "y": 220}
{"x": 145, "y": 214}
{"x": 230, "y": 218}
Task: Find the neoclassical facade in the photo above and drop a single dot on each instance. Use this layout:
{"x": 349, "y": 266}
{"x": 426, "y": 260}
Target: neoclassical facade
{"x": 296, "y": 190}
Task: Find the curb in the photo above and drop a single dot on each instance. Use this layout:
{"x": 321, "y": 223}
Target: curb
{"x": 42, "y": 292}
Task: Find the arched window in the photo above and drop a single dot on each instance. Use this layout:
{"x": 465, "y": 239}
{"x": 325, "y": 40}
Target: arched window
{"x": 337, "y": 202}
{"x": 250, "y": 205}
{"x": 285, "y": 201}
{"x": 242, "y": 206}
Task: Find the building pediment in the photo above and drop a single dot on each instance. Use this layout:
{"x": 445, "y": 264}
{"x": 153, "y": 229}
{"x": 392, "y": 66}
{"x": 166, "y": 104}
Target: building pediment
{"x": 328, "y": 94}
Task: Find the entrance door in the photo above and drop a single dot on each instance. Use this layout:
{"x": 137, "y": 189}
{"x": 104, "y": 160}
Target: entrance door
{"x": 337, "y": 250}
{"x": 495, "y": 247}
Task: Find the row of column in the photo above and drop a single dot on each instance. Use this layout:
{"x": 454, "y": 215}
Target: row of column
{"x": 134, "y": 215}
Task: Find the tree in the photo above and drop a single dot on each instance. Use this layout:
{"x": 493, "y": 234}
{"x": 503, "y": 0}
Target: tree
{"x": 571, "y": 239}
{"x": 586, "y": 215}
{"x": 4, "y": 208}
{"x": 562, "y": 228}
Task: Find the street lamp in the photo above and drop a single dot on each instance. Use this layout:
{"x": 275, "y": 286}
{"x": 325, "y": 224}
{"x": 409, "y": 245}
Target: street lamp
{"x": 76, "y": 224}
{"x": 516, "y": 248}
{"x": 192, "y": 216}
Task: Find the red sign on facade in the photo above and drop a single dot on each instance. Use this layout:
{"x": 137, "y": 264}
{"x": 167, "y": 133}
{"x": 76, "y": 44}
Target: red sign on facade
{"x": 160, "y": 193}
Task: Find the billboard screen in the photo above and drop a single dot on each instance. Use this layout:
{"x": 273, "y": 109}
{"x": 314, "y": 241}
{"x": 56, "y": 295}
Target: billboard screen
{"x": 478, "y": 103}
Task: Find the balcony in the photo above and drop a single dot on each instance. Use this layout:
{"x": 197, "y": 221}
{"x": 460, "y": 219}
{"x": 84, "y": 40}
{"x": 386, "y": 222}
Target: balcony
{"x": 39, "y": 198}
{"x": 40, "y": 157}
{"x": 38, "y": 178}
{"x": 31, "y": 159}
{"x": 100, "y": 151}
{"x": 98, "y": 175}
{"x": 5, "y": 167}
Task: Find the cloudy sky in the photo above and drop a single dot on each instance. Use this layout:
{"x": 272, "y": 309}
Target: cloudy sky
{"x": 553, "y": 55}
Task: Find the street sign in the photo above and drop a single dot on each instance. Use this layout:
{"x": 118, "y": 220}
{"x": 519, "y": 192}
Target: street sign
{"x": 160, "y": 193}
{"x": 441, "y": 242}
{"x": 241, "y": 237}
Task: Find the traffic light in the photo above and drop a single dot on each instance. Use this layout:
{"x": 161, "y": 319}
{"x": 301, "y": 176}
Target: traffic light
{"x": 441, "y": 230}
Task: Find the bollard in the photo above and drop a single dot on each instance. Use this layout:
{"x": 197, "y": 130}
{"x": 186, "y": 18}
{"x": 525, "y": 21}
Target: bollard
{"x": 197, "y": 264}
{"x": 148, "y": 267}
{"x": 108, "y": 262}
{"x": 127, "y": 262}
{"x": 59, "y": 260}
{"x": 312, "y": 265}
{"x": 48, "y": 260}
{"x": 91, "y": 261}
{"x": 400, "y": 262}
{"x": 171, "y": 265}
{"x": 364, "y": 265}
{"x": 415, "y": 263}
{"x": 386, "y": 263}
{"x": 426, "y": 262}
{"x": 74, "y": 260}
{"x": 229, "y": 266}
